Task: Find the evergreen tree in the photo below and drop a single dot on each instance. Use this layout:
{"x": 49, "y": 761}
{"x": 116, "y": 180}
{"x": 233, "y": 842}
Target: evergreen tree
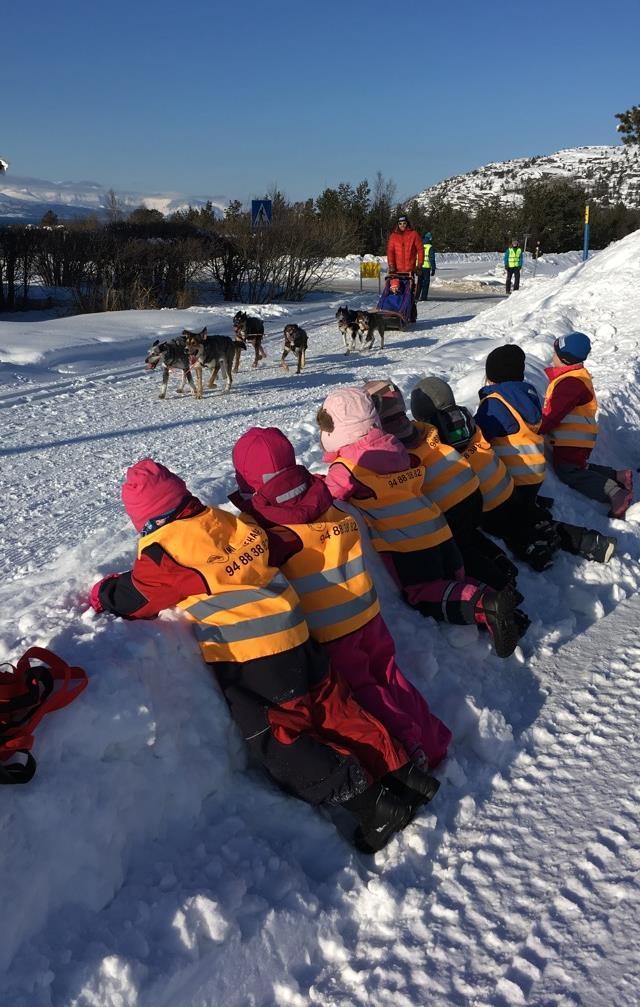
{"x": 629, "y": 125}
{"x": 50, "y": 219}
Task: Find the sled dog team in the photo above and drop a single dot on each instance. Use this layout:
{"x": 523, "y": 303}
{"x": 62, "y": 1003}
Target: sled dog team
{"x": 282, "y": 600}
{"x": 195, "y": 351}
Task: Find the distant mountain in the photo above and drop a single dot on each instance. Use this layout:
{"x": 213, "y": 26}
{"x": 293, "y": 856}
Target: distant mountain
{"x": 26, "y": 200}
{"x": 609, "y": 174}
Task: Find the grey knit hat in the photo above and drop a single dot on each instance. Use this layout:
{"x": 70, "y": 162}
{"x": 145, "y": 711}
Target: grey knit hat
{"x": 430, "y": 396}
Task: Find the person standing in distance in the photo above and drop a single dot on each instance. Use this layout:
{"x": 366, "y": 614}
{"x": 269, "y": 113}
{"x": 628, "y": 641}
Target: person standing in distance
{"x": 428, "y": 267}
{"x": 512, "y": 259}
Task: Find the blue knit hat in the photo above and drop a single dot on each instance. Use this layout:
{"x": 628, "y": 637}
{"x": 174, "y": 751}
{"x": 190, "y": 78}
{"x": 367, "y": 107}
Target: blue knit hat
{"x": 573, "y": 349}
{"x": 427, "y": 236}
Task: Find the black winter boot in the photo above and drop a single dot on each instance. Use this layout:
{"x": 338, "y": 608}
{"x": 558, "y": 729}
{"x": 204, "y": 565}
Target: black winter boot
{"x": 586, "y": 542}
{"x": 412, "y": 784}
{"x": 380, "y": 815}
{"x": 497, "y": 611}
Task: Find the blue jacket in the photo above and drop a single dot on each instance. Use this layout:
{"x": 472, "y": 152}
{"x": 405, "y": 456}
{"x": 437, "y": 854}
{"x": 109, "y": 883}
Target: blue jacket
{"x": 495, "y": 420}
{"x": 505, "y": 259}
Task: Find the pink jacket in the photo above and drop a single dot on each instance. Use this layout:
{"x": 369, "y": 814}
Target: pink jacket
{"x": 377, "y": 451}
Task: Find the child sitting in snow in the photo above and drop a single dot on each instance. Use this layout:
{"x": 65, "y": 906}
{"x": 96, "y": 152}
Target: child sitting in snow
{"x": 525, "y": 530}
{"x": 297, "y": 717}
{"x": 326, "y": 566}
{"x": 509, "y": 416}
{"x": 569, "y": 422}
{"x": 449, "y": 482}
{"x": 376, "y": 473}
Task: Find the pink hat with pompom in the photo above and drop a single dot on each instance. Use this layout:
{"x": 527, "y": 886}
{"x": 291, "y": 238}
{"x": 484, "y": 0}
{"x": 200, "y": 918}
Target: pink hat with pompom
{"x": 350, "y": 414}
{"x": 151, "y": 491}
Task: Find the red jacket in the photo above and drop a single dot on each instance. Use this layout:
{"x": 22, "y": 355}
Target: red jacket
{"x": 405, "y": 251}
{"x": 566, "y": 396}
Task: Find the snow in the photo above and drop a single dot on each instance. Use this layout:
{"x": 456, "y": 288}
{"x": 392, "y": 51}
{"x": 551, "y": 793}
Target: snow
{"x": 147, "y": 865}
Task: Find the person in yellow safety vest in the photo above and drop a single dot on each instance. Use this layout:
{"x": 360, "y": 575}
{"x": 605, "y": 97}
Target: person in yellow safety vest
{"x": 569, "y": 421}
{"x": 326, "y": 565}
{"x": 298, "y": 719}
{"x": 374, "y": 471}
{"x": 513, "y": 259}
{"x": 449, "y": 481}
{"x": 428, "y": 268}
{"x": 509, "y": 416}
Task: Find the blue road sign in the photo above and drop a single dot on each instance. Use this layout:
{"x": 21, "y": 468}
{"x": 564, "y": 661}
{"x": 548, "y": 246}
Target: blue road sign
{"x": 261, "y": 212}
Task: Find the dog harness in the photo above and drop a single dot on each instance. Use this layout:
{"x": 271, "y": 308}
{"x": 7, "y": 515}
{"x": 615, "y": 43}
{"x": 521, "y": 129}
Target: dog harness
{"x": 400, "y": 517}
{"x": 578, "y": 429}
{"x": 523, "y": 451}
{"x": 27, "y": 694}
{"x": 251, "y": 609}
{"x": 329, "y": 574}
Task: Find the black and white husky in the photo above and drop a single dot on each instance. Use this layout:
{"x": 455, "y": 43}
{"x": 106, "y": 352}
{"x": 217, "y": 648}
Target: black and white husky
{"x": 348, "y": 325}
{"x": 173, "y": 356}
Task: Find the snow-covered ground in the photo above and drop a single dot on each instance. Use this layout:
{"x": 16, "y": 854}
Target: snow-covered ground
{"x": 144, "y": 865}
{"x": 467, "y": 271}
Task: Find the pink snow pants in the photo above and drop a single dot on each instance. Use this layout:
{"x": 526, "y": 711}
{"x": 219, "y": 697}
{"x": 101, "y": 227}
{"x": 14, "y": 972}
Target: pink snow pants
{"x": 366, "y": 658}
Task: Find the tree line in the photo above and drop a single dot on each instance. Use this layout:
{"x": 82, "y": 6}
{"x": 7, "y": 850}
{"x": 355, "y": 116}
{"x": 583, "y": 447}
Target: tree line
{"x": 146, "y": 260}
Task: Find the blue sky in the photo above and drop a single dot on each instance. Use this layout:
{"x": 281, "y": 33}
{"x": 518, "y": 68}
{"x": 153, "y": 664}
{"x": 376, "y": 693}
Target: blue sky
{"x": 230, "y": 99}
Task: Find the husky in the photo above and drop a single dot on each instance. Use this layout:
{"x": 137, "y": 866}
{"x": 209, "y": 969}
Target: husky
{"x": 214, "y": 352}
{"x": 348, "y": 325}
{"x": 248, "y": 329}
{"x": 173, "y": 356}
{"x": 295, "y": 341}
{"x": 370, "y": 322}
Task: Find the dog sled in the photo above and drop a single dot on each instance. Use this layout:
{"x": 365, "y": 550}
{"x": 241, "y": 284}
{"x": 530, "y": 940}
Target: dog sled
{"x": 397, "y": 301}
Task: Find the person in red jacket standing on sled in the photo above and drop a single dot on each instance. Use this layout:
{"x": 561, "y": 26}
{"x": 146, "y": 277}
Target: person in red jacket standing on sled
{"x": 405, "y": 251}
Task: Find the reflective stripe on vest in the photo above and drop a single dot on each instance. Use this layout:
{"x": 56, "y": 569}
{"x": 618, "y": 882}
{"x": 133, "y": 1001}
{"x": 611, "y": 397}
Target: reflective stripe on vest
{"x": 514, "y": 257}
{"x": 399, "y": 516}
{"x": 448, "y": 479}
{"x": 427, "y": 255}
{"x": 578, "y": 429}
{"x": 330, "y": 576}
{"x": 496, "y": 485}
{"x": 523, "y": 451}
{"x": 250, "y": 610}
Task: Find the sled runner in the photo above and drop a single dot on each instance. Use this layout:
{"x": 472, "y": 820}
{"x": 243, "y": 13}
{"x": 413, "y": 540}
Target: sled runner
{"x": 398, "y": 306}
{"x": 27, "y": 694}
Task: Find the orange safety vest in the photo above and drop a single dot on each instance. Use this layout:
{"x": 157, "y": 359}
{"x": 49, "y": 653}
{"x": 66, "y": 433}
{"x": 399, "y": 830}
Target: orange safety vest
{"x": 330, "y": 577}
{"x": 578, "y": 429}
{"x": 448, "y": 478}
{"x": 400, "y": 517}
{"x": 496, "y": 485}
{"x": 523, "y": 451}
{"x": 250, "y": 610}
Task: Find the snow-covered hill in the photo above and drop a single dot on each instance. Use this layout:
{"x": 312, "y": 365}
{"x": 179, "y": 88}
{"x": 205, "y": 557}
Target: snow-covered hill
{"x": 28, "y": 199}
{"x": 145, "y": 866}
{"x": 609, "y": 174}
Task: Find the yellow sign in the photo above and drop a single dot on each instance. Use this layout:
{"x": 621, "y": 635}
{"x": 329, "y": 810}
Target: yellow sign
{"x": 370, "y": 270}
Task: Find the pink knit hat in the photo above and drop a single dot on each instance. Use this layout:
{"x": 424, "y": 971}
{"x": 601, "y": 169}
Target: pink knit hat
{"x": 260, "y": 454}
{"x": 151, "y": 491}
{"x": 353, "y": 415}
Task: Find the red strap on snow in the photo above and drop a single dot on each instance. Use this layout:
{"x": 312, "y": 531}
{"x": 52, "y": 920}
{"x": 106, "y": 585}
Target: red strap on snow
{"x": 41, "y": 690}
